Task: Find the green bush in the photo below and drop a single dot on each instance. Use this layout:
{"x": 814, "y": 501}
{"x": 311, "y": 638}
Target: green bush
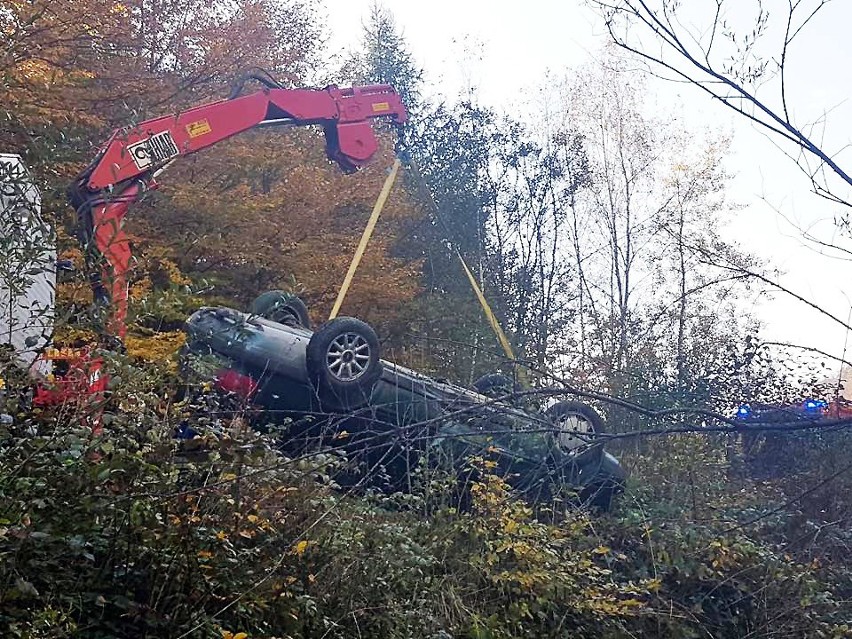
{"x": 129, "y": 532}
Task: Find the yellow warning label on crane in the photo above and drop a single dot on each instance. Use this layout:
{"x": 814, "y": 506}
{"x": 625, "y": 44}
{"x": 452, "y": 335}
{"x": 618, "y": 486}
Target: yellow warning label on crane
{"x": 198, "y": 128}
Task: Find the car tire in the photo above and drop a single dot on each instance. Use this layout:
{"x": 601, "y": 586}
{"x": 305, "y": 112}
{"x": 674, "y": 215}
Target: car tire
{"x": 282, "y": 307}
{"x": 343, "y": 363}
{"x": 573, "y": 417}
{"x": 494, "y": 385}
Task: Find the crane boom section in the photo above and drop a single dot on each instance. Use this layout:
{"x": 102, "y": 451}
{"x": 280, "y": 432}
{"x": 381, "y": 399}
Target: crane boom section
{"x": 344, "y": 115}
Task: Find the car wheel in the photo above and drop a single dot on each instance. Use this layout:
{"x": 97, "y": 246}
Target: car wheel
{"x": 574, "y": 422}
{"x": 494, "y": 385}
{"x": 343, "y": 362}
{"x": 281, "y": 307}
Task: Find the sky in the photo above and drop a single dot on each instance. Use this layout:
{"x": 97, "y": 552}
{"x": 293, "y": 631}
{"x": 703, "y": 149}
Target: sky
{"x": 505, "y": 51}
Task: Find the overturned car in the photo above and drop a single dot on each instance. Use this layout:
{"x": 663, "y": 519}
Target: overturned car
{"x": 331, "y": 386}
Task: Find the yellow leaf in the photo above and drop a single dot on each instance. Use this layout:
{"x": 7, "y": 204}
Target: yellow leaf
{"x": 301, "y": 547}
{"x": 241, "y": 635}
{"x": 253, "y": 519}
{"x": 229, "y": 477}
{"x": 601, "y": 550}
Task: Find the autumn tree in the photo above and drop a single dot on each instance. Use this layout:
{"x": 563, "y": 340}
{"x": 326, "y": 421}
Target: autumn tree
{"x": 50, "y": 64}
{"x": 616, "y": 220}
{"x": 644, "y": 237}
{"x": 263, "y": 210}
{"x": 66, "y": 82}
{"x": 536, "y": 178}
{"x": 132, "y": 60}
{"x": 269, "y": 211}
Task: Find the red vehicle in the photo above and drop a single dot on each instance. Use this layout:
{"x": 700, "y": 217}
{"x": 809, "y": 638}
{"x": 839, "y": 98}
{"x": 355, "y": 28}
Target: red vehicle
{"x": 76, "y": 374}
{"x": 77, "y": 379}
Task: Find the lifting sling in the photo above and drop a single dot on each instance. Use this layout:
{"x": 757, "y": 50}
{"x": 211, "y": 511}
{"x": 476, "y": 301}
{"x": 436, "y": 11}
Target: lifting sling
{"x": 367, "y": 234}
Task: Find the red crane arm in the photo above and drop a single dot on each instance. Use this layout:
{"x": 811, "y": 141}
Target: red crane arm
{"x": 126, "y": 165}
{"x": 343, "y": 113}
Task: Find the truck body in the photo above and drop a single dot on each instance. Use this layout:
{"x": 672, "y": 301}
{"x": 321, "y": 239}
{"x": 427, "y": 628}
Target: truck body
{"x": 27, "y": 267}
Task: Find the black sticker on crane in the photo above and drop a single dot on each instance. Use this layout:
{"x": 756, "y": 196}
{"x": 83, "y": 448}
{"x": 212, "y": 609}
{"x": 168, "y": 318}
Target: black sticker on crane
{"x": 154, "y": 150}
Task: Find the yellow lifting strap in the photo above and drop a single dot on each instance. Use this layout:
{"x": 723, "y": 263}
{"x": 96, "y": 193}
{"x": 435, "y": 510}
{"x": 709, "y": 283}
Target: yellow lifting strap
{"x": 365, "y": 238}
{"x": 486, "y": 307}
{"x": 520, "y": 371}
{"x": 362, "y": 247}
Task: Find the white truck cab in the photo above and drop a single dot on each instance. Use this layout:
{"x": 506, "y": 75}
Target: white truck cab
{"x": 27, "y": 267}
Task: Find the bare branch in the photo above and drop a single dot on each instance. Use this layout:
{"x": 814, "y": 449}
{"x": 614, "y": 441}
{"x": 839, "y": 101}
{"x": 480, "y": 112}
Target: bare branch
{"x": 701, "y": 72}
